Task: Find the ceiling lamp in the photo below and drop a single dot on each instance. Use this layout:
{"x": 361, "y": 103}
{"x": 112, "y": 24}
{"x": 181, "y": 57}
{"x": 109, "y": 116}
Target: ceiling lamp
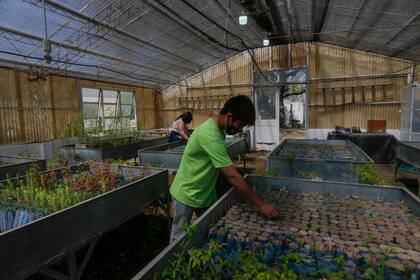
{"x": 243, "y": 19}
{"x": 266, "y": 42}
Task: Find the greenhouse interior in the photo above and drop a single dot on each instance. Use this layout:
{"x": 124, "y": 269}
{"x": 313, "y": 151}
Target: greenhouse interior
{"x": 217, "y": 139}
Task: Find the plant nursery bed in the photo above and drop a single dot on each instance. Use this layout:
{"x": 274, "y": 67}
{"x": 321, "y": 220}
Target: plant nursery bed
{"x": 329, "y": 160}
{"x": 170, "y": 155}
{"x": 79, "y": 153}
{"x": 47, "y": 216}
{"x": 326, "y": 230}
{"x": 12, "y": 166}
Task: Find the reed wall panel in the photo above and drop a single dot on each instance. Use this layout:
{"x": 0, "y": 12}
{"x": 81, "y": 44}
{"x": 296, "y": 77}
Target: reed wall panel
{"x": 39, "y": 110}
{"x": 347, "y": 87}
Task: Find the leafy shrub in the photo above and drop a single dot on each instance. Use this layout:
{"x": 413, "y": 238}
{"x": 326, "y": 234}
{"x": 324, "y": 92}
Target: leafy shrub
{"x": 367, "y": 174}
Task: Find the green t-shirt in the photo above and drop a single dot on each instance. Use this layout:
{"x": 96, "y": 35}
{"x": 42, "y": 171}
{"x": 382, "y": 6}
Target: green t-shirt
{"x": 195, "y": 181}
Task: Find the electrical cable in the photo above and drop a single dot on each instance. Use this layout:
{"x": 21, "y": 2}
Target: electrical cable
{"x": 198, "y": 29}
{"x": 226, "y": 26}
{"x": 227, "y": 31}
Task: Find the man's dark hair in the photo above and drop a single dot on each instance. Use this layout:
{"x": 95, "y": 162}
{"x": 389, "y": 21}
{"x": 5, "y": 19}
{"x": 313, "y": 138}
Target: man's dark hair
{"x": 241, "y": 108}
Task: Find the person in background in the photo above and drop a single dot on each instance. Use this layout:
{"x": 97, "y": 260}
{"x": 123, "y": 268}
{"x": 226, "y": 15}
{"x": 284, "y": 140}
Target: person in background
{"x": 194, "y": 186}
{"x": 179, "y": 129}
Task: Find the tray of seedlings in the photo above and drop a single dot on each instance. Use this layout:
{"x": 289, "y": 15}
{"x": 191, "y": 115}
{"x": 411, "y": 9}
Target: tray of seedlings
{"x": 329, "y": 160}
{"x": 326, "y": 230}
{"x": 12, "y": 166}
{"x": 114, "y": 146}
{"x": 170, "y": 155}
{"x": 45, "y": 216}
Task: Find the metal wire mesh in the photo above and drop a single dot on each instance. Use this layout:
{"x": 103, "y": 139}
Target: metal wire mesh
{"x": 165, "y": 41}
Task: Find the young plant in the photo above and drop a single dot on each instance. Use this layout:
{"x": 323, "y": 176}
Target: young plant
{"x": 367, "y": 174}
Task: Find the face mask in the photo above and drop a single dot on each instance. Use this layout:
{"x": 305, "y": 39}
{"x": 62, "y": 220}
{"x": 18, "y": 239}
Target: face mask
{"x": 231, "y": 130}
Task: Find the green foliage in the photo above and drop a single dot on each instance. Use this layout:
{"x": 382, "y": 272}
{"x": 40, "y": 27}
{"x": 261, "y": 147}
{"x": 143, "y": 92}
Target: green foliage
{"x": 310, "y": 174}
{"x": 290, "y": 159}
{"x": 74, "y": 128}
{"x": 376, "y": 269}
{"x": 272, "y": 172}
{"x": 46, "y": 193}
{"x": 57, "y": 161}
{"x": 339, "y": 261}
{"x": 367, "y": 174}
{"x": 27, "y": 154}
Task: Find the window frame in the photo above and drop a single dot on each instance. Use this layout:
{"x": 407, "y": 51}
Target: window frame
{"x": 100, "y": 111}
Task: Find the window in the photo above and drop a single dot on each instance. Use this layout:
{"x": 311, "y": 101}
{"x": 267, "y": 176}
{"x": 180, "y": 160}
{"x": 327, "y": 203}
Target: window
{"x": 108, "y": 109}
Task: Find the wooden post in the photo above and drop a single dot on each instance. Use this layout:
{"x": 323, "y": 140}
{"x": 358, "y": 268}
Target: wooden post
{"x": 52, "y": 109}
{"x": 20, "y": 109}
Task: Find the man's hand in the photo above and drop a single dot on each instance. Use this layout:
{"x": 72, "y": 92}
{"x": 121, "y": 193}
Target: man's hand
{"x": 269, "y": 210}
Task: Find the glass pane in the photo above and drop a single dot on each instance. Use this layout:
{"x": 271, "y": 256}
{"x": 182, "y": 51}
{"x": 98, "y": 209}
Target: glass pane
{"x": 89, "y": 123}
{"x": 90, "y": 95}
{"x": 110, "y": 96}
{"x": 109, "y": 110}
{"x": 126, "y": 110}
{"x": 266, "y": 104}
{"x": 416, "y": 121}
{"x": 406, "y": 95}
{"x": 109, "y": 124}
{"x": 416, "y": 103}
{"x": 405, "y": 120}
{"x": 126, "y": 97}
{"x": 126, "y": 123}
{"x": 90, "y": 110}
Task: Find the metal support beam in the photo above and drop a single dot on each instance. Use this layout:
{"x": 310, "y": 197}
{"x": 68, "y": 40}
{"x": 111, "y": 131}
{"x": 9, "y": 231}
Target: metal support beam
{"x": 318, "y": 26}
{"x": 76, "y": 74}
{"x": 73, "y": 13}
{"x": 74, "y": 272}
{"x": 107, "y": 59}
{"x": 356, "y": 19}
{"x": 88, "y": 52}
{"x": 409, "y": 22}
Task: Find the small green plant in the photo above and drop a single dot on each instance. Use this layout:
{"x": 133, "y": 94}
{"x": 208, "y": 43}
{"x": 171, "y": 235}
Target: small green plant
{"x": 272, "y": 172}
{"x": 310, "y": 174}
{"x": 74, "y": 128}
{"x": 376, "y": 269}
{"x": 45, "y": 193}
{"x": 290, "y": 159}
{"x": 27, "y": 154}
{"x": 367, "y": 174}
{"x": 57, "y": 161}
{"x": 339, "y": 261}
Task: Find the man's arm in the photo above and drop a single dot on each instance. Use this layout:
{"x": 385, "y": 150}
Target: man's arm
{"x": 239, "y": 183}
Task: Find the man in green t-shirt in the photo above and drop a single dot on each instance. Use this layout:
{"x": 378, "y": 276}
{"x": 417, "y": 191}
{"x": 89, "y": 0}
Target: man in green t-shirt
{"x": 193, "y": 189}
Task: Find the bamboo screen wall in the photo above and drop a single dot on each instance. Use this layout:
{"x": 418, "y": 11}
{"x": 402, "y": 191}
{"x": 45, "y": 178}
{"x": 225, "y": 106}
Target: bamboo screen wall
{"x": 339, "y": 92}
{"x": 38, "y": 110}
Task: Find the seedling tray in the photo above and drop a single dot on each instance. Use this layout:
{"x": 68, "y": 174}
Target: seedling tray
{"x": 12, "y": 166}
{"x": 304, "y": 203}
{"x": 329, "y": 160}
{"x": 26, "y": 249}
{"x": 170, "y": 155}
{"x": 127, "y": 151}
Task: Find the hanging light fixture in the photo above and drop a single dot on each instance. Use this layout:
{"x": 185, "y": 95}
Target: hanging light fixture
{"x": 45, "y": 41}
{"x": 243, "y": 19}
{"x": 266, "y": 42}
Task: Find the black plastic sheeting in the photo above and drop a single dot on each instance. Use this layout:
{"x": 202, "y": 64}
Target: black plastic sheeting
{"x": 380, "y": 147}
